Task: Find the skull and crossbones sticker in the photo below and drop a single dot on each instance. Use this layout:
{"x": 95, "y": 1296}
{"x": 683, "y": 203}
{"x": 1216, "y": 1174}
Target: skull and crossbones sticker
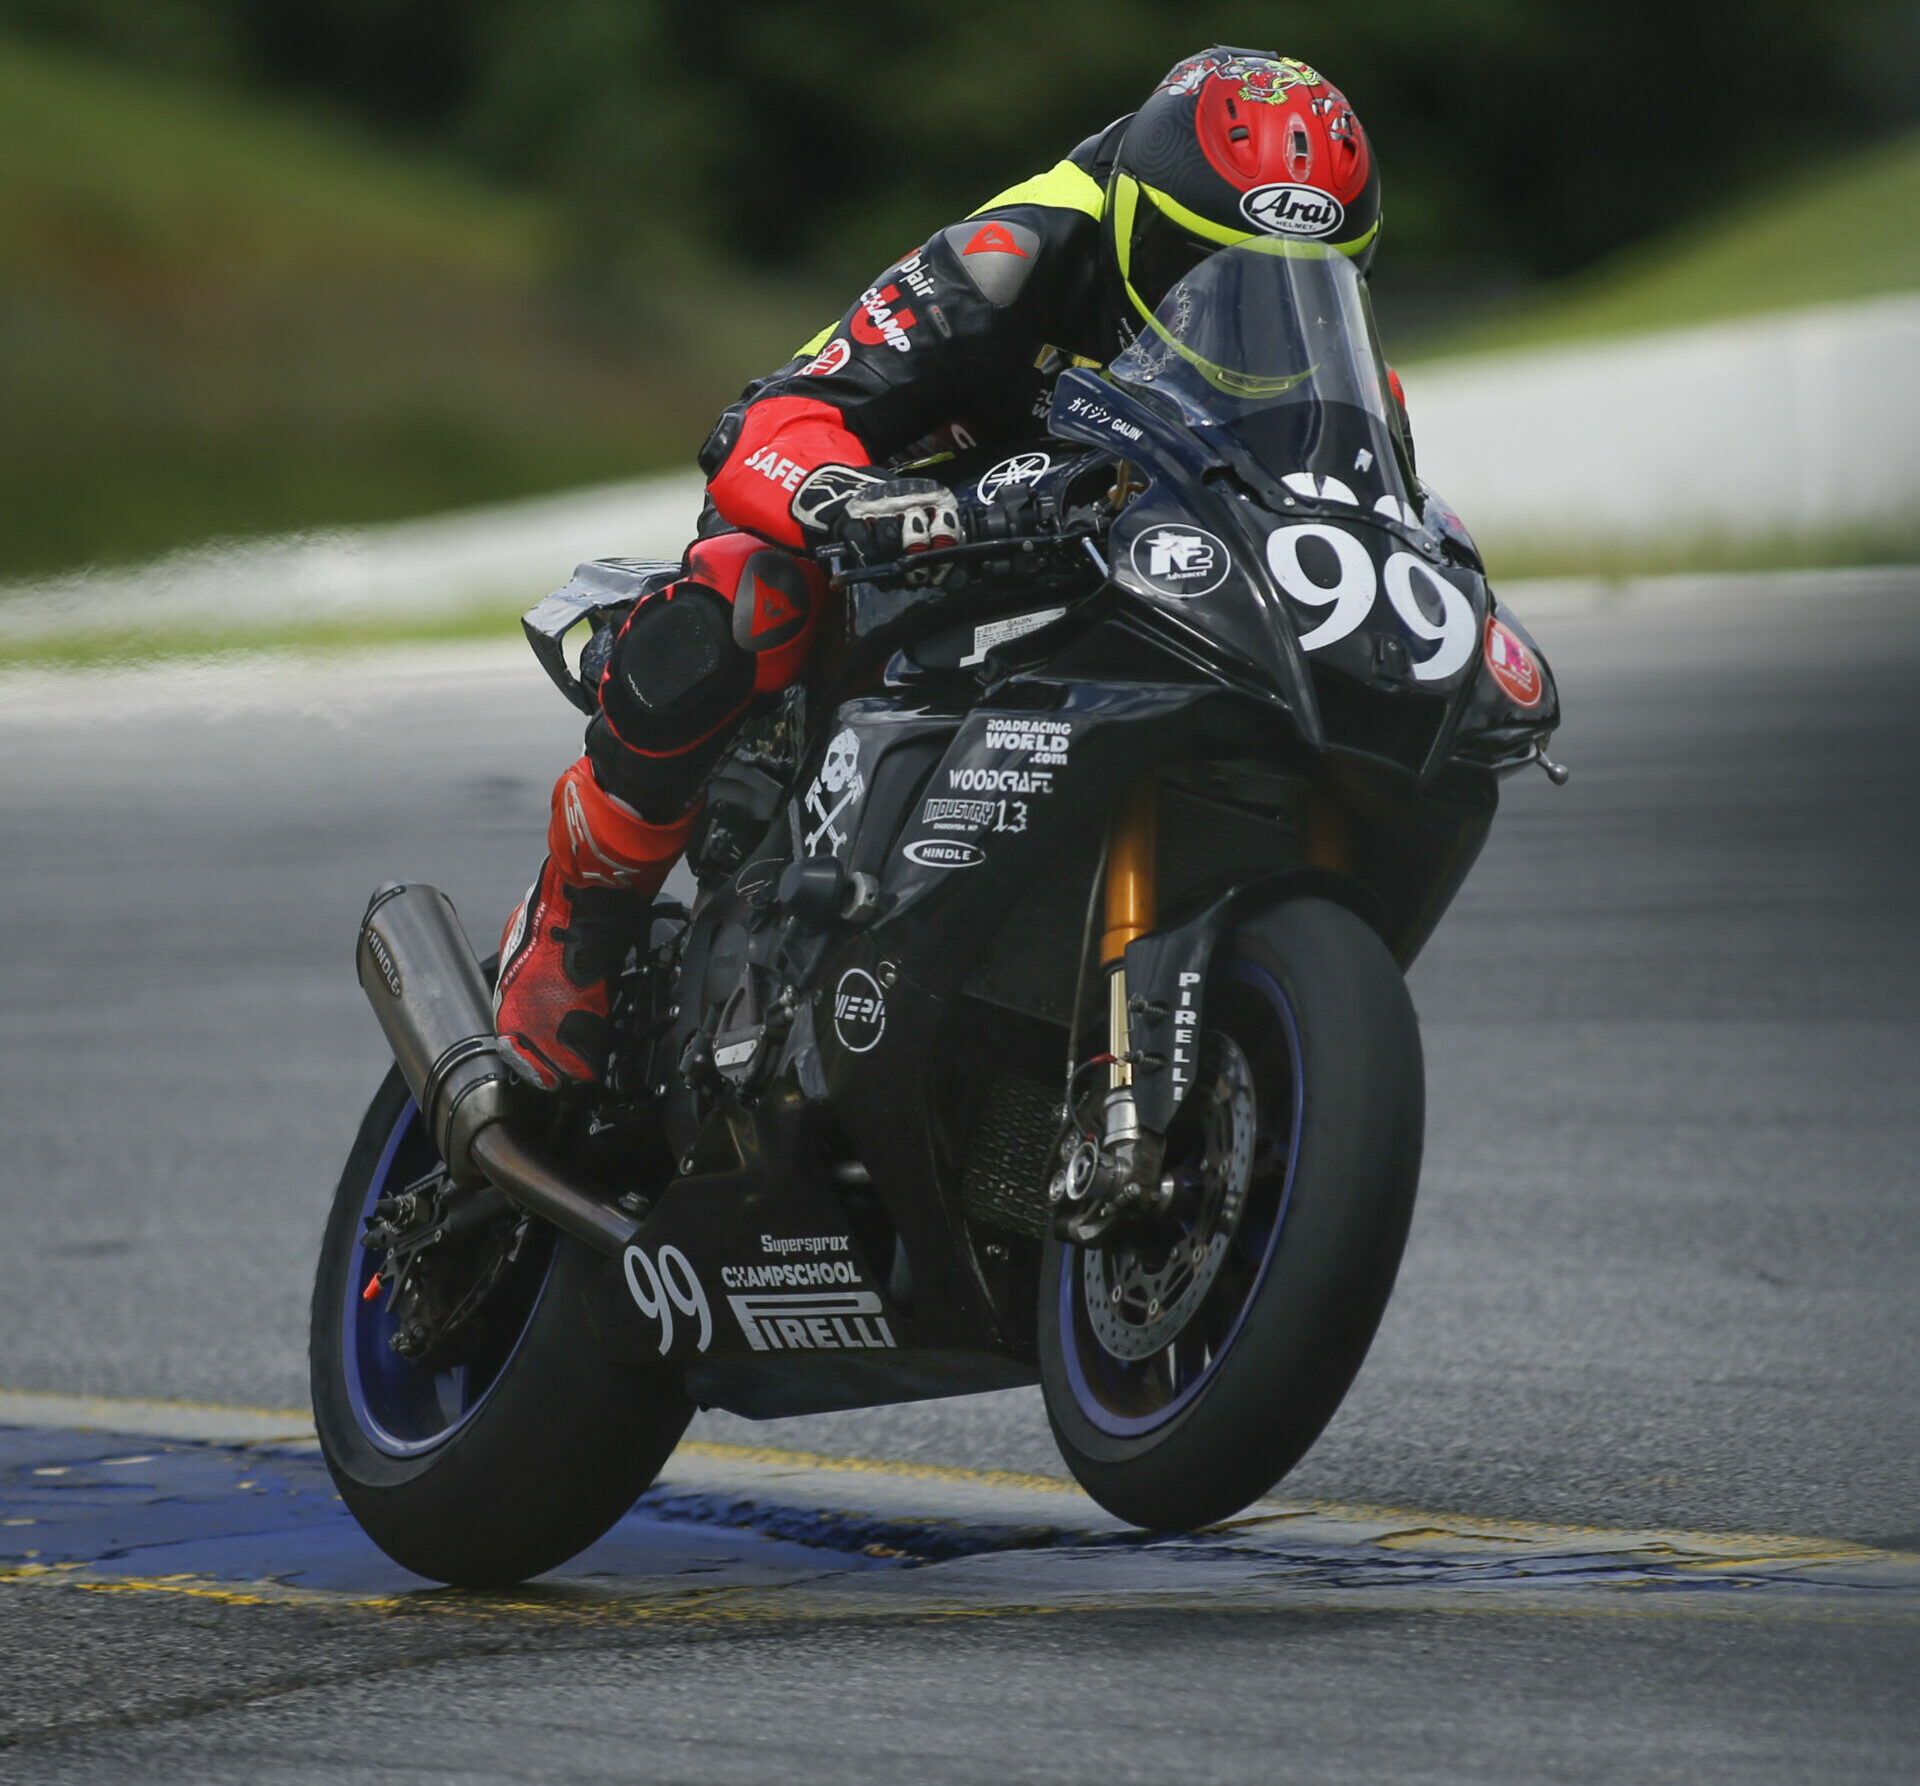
{"x": 838, "y": 785}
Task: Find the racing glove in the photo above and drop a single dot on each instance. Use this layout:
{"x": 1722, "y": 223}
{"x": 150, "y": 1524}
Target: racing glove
{"x": 899, "y": 517}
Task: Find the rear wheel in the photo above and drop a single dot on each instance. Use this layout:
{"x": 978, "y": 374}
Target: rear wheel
{"x": 511, "y": 1444}
{"x": 1189, "y": 1364}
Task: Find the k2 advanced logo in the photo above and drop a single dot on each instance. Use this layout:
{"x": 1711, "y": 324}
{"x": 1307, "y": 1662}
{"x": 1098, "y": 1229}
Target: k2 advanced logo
{"x": 1182, "y": 561}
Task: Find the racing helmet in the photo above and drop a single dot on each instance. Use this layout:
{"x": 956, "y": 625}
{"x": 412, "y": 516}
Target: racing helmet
{"x": 1235, "y": 144}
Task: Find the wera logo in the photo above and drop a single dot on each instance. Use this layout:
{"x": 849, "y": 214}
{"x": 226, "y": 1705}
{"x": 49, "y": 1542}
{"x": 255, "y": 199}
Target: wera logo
{"x": 1288, "y": 210}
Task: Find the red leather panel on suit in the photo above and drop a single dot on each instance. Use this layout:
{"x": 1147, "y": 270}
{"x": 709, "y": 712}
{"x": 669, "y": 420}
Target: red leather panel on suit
{"x": 598, "y": 841}
{"x": 723, "y": 563}
{"x": 782, "y": 440}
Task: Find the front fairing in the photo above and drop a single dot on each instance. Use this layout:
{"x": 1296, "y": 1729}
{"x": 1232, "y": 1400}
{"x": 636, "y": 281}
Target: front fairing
{"x": 1282, "y": 537}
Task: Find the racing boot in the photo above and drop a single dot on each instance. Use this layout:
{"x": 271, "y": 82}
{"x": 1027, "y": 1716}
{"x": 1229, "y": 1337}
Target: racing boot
{"x": 569, "y": 937}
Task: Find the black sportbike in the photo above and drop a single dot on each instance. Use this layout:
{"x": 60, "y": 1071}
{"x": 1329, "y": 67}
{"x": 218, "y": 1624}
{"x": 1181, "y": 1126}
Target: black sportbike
{"x": 1040, "y": 1015}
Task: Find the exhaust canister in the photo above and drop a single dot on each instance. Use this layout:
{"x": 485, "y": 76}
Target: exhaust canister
{"x": 426, "y": 989}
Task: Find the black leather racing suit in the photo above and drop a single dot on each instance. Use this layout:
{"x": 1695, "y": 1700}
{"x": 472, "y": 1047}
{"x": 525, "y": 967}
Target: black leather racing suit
{"x": 959, "y": 341}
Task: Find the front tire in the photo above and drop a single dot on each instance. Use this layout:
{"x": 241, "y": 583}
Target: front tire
{"x": 503, "y": 1465}
{"x": 1176, "y": 1396}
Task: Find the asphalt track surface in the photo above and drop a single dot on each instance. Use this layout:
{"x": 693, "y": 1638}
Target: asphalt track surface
{"x": 1662, "y": 1279}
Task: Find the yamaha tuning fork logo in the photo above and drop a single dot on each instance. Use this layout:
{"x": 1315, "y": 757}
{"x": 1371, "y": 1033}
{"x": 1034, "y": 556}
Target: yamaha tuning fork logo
{"x": 1013, "y": 474}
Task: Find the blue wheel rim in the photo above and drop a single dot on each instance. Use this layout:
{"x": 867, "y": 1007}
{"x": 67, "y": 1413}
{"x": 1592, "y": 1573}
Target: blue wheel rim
{"x": 402, "y": 1409}
{"x": 1077, "y": 1344}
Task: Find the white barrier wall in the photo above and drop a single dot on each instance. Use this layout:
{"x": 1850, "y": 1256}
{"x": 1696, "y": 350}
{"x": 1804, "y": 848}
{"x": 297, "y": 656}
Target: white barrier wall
{"x": 1795, "y": 423}
{"x": 515, "y": 552}
{"x": 1786, "y": 424}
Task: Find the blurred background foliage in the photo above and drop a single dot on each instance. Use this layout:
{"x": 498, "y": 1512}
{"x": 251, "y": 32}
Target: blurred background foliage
{"x": 273, "y": 263}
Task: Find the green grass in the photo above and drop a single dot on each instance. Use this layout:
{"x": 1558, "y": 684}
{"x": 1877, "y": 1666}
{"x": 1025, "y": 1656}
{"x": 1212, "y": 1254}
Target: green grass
{"x": 1834, "y": 548}
{"x": 216, "y": 319}
{"x": 1509, "y": 560}
{"x": 483, "y": 620}
{"x": 219, "y": 320}
{"x": 1848, "y": 232}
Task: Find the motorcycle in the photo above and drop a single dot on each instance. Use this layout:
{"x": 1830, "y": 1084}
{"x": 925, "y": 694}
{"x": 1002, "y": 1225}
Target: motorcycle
{"x": 1040, "y": 1016}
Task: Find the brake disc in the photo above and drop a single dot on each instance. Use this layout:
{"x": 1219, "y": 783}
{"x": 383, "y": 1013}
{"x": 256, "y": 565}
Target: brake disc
{"x": 1142, "y": 1292}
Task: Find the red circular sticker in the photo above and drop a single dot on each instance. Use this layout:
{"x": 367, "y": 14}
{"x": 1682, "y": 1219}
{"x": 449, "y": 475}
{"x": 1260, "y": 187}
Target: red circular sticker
{"x": 1513, "y": 666}
{"x": 830, "y": 359}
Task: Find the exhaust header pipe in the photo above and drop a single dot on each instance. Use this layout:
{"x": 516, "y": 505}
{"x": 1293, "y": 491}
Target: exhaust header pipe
{"x": 427, "y": 991}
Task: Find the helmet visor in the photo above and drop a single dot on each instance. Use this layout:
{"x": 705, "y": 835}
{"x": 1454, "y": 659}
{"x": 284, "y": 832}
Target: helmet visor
{"x": 1273, "y": 342}
{"x": 1156, "y": 247}
{"x": 1163, "y": 253}
{"x": 1263, "y": 321}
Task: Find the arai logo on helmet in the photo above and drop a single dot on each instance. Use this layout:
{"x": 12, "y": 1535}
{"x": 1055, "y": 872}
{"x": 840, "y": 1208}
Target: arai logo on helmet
{"x": 1290, "y": 210}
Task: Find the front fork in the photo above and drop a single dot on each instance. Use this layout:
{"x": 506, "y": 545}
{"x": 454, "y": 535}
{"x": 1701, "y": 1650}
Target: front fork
{"x": 1131, "y": 841}
{"x": 1117, "y": 1174}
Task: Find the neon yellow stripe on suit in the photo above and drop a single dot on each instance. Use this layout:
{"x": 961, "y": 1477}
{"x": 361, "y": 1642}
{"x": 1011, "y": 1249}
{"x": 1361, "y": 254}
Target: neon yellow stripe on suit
{"x": 807, "y": 349}
{"x": 1065, "y": 186}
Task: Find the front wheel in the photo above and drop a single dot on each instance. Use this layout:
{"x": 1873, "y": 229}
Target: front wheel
{"x": 1189, "y": 1365}
{"x": 500, "y": 1451}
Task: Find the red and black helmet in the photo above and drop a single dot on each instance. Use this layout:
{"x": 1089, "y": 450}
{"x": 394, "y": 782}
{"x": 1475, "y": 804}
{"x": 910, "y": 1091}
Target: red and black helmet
{"x": 1235, "y": 144}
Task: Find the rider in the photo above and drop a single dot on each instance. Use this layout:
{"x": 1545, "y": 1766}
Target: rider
{"x": 957, "y": 343}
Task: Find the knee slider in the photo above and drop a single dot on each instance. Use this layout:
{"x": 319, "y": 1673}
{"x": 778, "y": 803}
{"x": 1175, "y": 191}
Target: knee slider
{"x": 777, "y": 601}
{"x": 675, "y": 672}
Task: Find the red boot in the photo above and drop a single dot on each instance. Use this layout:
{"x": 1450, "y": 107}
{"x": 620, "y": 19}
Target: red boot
{"x": 570, "y": 935}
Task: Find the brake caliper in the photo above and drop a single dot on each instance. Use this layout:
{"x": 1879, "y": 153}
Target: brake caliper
{"x": 443, "y": 1252}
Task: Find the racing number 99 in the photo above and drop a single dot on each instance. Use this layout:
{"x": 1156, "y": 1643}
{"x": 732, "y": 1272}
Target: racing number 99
{"x": 1351, "y": 596}
{"x": 660, "y": 1289}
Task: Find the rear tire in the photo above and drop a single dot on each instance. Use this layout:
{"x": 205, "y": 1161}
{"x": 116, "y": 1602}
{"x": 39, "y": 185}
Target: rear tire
{"x": 1309, "y": 1015}
{"x": 493, "y": 1471}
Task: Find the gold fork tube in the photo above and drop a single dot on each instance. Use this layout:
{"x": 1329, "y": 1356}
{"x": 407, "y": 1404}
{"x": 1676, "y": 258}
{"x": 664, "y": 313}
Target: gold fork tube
{"x": 1130, "y": 906}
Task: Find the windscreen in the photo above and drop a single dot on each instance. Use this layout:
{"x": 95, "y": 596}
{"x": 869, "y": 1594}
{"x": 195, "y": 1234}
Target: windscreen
{"x": 1268, "y": 348}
